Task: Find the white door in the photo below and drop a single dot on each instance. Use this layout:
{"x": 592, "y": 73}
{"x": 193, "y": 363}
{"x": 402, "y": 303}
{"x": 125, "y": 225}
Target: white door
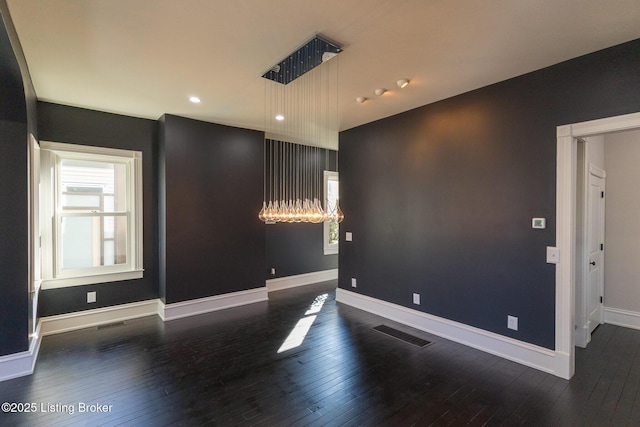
{"x": 595, "y": 247}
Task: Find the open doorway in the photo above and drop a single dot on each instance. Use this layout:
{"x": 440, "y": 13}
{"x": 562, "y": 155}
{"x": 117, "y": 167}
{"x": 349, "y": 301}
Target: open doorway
{"x": 590, "y": 237}
{"x": 566, "y": 225}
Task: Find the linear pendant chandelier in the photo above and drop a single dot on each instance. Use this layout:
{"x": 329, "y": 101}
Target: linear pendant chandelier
{"x": 294, "y": 183}
{"x": 300, "y": 124}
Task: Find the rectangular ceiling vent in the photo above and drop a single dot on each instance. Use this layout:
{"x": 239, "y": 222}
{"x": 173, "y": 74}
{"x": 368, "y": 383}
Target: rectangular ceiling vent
{"x": 304, "y": 59}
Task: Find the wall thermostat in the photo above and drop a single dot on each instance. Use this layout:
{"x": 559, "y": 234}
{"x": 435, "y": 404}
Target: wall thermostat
{"x": 539, "y": 223}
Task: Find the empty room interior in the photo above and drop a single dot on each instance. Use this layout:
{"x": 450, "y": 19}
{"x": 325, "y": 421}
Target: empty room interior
{"x": 360, "y": 212}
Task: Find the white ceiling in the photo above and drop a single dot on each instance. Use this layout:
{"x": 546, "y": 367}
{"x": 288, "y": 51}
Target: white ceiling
{"x": 144, "y": 58}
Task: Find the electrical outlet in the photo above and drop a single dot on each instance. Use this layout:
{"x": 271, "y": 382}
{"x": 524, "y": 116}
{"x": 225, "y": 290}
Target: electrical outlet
{"x": 353, "y": 282}
{"x": 512, "y": 322}
{"x": 416, "y": 299}
{"x": 348, "y": 236}
{"x": 273, "y": 271}
{"x": 91, "y": 297}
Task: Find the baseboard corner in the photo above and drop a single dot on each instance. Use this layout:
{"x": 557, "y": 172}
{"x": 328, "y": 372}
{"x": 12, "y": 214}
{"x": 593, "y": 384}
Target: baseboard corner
{"x": 173, "y": 311}
{"x": 288, "y": 282}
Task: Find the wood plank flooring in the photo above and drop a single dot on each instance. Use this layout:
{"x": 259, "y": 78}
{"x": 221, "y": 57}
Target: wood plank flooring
{"x": 224, "y": 369}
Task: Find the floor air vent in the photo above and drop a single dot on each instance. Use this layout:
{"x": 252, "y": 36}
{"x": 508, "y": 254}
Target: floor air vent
{"x": 419, "y": 342}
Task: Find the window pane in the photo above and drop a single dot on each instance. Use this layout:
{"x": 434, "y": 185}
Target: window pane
{"x": 109, "y": 227}
{"x": 109, "y": 252}
{"x": 84, "y": 241}
{"x": 109, "y": 204}
{"x": 333, "y": 232}
{"x": 95, "y": 186}
{"x": 332, "y": 199}
{"x": 81, "y": 201}
{"x": 332, "y": 193}
{"x": 77, "y": 242}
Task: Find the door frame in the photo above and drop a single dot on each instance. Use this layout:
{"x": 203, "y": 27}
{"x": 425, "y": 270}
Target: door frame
{"x": 566, "y": 171}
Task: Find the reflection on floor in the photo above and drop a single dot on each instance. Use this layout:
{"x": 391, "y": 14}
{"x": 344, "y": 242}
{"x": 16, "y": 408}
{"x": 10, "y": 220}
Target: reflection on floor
{"x": 225, "y": 369}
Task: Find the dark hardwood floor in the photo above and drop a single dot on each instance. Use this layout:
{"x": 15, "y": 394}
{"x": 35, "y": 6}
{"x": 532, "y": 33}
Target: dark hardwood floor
{"x": 224, "y": 369}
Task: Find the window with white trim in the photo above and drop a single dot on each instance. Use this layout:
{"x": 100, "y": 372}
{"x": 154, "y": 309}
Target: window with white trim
{"x": 331, "y": 228}
{"x": 91, "y": 210}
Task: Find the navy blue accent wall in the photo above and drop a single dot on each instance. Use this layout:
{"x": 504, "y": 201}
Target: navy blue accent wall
{"x": 296, "y": 249}
{"x": 17, "y": 120}
{"x": 13, "y": 105}
{"x": 14, "y": 312}
{"x": 214, "y": 242}
{"x": 162, "y": 208}
{"x": 440, "y": 198}
{"x": 299, "y": 248}
{"x": 60, "y": 123}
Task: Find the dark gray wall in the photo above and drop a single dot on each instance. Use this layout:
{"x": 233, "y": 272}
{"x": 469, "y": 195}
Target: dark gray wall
{"x": 14, "y": 312}
{"x": 61, "y": 123}
{"x": 212, "y": 238}
{"x": 17, "y": 119}
{"x": 162, "y": 209}
{"x": 440, "y": 199}
{"x": 193, "y": 157}
{"x": 298, "y": 248}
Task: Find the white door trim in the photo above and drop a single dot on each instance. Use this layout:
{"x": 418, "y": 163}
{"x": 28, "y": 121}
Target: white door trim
{"x": 565, "y": 228}
{"x": 594, "y": 170}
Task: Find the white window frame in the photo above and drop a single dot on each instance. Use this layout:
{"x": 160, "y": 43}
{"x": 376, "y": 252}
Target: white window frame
{"x": 53, "y": 275}
{"x": 329, "y": 248}
{"x": 35, "y": 251}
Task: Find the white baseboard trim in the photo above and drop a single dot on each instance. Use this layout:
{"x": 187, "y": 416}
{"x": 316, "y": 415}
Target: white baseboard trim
{"x": 96, "y": 317}
{"x": 524, "y": 353}
{"x": 619, "y": 317}
{"x": 300, "y": 280}
{"x": 582, "y": 335}
{"x": 179, "y": 310}
{"x": 23, "y": 363}
{"x": 563, "y": 365}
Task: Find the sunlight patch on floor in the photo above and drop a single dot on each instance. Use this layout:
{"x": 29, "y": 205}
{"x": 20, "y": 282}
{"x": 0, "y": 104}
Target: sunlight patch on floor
{"x": 317, "y": 304}
{"x": 299, "y": 332}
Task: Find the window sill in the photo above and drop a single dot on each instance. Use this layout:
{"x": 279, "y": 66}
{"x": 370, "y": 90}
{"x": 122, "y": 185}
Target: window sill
{"x": 331, "y": 250}
{"x": 90, "y": 280}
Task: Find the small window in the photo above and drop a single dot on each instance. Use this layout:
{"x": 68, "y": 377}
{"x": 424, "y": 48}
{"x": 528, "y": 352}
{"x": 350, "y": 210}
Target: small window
{"x": 92, "y": 214}
{"x": 331, "y": 228}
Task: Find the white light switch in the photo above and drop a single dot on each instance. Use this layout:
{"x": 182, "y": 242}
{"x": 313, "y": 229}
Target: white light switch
{"x": 512, "y": 322}
{"x": 353, "y": 282}
{"x": 348, "y": 236}
{"x": 91, "y": 297}
{"x": 553, "y": 255}
{"x": 416, "y": 299}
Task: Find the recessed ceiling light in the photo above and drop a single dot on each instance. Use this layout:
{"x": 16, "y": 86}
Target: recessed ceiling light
{"x": 194, "y": 99}
{"x": 402, "y": 83}
{"x": 280, "y": 117}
